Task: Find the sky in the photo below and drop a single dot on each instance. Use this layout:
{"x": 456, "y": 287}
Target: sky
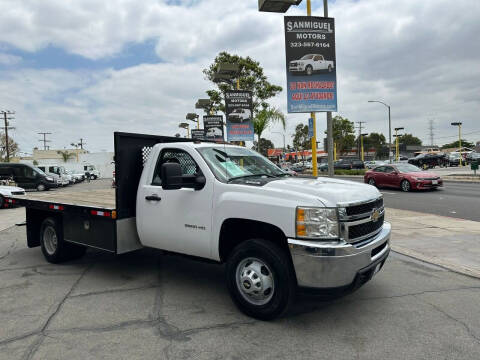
{"x": 86, "y": 68}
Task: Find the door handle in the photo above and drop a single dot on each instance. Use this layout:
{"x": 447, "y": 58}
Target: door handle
{"x": 153, "y": 197}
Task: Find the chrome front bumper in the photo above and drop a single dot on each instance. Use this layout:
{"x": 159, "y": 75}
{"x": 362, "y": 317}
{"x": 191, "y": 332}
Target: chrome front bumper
{"x": 337, "y": 264}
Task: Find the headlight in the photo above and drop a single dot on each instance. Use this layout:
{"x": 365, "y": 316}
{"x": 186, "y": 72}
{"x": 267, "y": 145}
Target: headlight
{"x": 317, "y": 223}
{"x": 48, "y": 178}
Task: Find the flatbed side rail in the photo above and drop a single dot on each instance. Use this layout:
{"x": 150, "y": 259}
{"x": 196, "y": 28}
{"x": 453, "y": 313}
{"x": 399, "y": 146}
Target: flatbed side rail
{"x": 131, "y": 152}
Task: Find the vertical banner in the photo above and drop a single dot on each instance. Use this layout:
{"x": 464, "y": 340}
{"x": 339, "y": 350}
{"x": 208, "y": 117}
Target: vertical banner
{"x": 198, "y": 134}
{"x": 213, "y": 125}
{"x": 239, "y": 110}
{"x": 310, "y": 127}
{"x": 311, "y": 64}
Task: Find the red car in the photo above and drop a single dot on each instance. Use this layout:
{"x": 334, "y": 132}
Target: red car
{"x": 404, "y": 176}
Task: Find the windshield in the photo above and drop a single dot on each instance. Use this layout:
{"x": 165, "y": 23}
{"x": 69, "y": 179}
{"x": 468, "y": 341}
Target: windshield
{"x": 39, "y": 171}
{"x": 407, "y": 168}
{"x": 307, "y": 57}
{"x": 230, "y": 163}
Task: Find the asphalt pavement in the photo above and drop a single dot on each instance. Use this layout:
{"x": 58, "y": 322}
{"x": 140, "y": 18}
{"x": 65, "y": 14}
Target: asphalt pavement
{"x": 456, "y": 199}
{"x": 150, "y": 305}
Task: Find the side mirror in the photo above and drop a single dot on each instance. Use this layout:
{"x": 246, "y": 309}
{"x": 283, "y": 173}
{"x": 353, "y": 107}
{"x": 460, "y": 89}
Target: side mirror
{"x": 200, "y": 182}
{"x": 171, "y": 175}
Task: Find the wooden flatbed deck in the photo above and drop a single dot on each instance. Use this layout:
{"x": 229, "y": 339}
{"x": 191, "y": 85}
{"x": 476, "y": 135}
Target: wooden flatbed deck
{"x": 103, "y": 198}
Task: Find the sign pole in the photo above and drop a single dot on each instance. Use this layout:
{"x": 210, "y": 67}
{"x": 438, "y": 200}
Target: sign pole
{"x": 312, "y": 115}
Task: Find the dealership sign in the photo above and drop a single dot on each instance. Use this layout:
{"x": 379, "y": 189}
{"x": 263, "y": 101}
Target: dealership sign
{"x": 213, "y": 126}
{"x": 239, "y": 111}
{"x": 311, "y": 64}
{"x": 198, "y": 134}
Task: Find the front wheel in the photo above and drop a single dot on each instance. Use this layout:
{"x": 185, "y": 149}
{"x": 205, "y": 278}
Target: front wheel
{"x": 330, "y": 68}
{"x": 405, "y": 185}
{"x": 40, "y": 187}
{"x": 309, "y": 70}
{"x": 261, "y": 279}
{"x": 371, "y": 181}
{"x": 2, "y": 201}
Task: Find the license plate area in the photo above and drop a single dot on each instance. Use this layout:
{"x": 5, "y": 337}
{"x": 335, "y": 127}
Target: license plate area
{"x": 434, "y": 182}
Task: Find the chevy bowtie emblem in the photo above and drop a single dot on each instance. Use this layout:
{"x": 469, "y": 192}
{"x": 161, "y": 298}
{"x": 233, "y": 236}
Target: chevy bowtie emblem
{"x": 375, "y": 215}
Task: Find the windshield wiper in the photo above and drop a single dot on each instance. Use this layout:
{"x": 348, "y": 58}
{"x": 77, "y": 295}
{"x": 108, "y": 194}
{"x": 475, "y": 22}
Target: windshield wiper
{"x": 250, "y": 175}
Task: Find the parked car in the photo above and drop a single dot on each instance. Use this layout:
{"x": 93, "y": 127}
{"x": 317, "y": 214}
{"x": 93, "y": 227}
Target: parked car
{"x": 289, "y": 171}
{"x": 473, "y": 156}
{"x": 298, "y": 167}
{"x": 342, "y": 164}
{"x": 27, "y": 176}
{"x": 323, "y": 167}
{"x": 429, "y": 160}
{"x": 453, "y": 159}
{"x": 358, "y": 164}
{"x": 373, "y": 164}
{"x": 310, "y": 63}
{"x": 9, "y": 191}
{"x": 403, "y": 176}
{"x": 240, "y": 115}
{"x": 58, "y": 173}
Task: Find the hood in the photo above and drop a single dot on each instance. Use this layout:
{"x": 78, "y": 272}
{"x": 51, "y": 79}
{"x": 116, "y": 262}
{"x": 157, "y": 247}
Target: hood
{"x": 8, "y": 189}
{"x": 329, "y": 191}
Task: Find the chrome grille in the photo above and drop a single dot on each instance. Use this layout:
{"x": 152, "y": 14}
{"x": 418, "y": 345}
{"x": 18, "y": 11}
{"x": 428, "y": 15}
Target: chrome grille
{"x": 357, "y": 223}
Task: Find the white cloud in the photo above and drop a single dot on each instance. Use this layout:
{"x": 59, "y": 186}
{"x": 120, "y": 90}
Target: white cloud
{"x": 420, "y": 57}
{"x": 8, "y": 59}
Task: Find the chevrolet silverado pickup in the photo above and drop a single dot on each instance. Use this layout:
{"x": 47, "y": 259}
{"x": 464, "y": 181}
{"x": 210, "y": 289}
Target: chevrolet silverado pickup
{"x": 310, "y": 63}
{"x": 226, "y": 203}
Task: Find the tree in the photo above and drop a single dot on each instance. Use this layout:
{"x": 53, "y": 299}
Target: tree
{"x": 265, "y": 118}
{"x": 376, "y": 141}
{"x": 409, "y": 139}
{"x": 301, "y": 140}
{"x": 263, "y": 146}
{"x": 251, "y": 78}
{"x": 66, "y": 155}
{"x": 343, "y": 134}
{"x": 455, "y": 144}
{"x": 12, "y": 147}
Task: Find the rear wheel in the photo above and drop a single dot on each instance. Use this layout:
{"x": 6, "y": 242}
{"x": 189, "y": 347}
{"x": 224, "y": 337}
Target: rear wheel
{"x": 261, "y": 279}
{"x": 406, "y": 186}
{"x": 54, "y": 248}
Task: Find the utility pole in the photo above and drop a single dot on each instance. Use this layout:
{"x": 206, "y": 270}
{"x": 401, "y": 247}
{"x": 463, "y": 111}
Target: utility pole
{"x": 430, "y": 127}
{"x": 7, "y": 116}
{"x": 359, "y": 135}
{"x": 44, "y": 140}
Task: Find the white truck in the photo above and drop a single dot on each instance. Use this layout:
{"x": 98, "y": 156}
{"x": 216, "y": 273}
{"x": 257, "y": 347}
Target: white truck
{"x": 224, "y": 203}
{"x": 310, "y": 63}
{"x": 240, "y": 115}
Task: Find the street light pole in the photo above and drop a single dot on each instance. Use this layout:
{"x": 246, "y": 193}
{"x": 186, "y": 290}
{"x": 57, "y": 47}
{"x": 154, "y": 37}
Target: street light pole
{"x": 396, "y": 142}
{"x": 389, "y": 129}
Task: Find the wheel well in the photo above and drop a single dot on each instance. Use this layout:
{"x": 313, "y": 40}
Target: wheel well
{"x": 34, "y": 222}
{"x": 235, "y": 231}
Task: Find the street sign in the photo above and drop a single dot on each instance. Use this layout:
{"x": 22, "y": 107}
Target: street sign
{"x": 239, "y": 111}
{"x": 310, "y": 127}
{"x": 311, "y": 65}
{"x": 198, "y": 134}
{"x": 213, "y": 125}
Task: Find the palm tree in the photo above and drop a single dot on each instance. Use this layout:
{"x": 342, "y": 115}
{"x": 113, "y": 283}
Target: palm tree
{"x": 66, "y": 155}
{"x": 264, "y": 119}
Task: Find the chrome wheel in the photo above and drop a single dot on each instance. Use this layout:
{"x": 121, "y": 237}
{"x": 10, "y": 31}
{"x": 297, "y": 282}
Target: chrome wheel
{"x": 255, "y": 281}
{"x": 50, "y": 240}
{"x": 40, "y": 187}
{"x": 371, "y": 182}
{"x": 309, "y": 70}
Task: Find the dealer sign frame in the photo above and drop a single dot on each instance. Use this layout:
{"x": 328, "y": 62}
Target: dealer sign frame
{"x": 311, "y": 64}
{"x": 239, "y": 114}
{"x": 213, "y": 125}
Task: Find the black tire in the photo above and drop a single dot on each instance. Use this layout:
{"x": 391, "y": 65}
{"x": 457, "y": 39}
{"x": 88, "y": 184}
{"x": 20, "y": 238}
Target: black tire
{"x": 405, "y": 185}
{"x": 330, "y": 68}
{"x": 372, "y": 182}
{"x": 278, "y": 266}
{"x": 309, "y": 70}
{"x": 62, "y": 250}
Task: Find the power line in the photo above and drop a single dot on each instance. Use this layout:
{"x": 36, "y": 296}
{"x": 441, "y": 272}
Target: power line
{"x": 44, "y": 140}
{"x": 7, "y": 116}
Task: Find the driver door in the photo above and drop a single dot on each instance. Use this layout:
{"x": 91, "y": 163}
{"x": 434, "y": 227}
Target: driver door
{"x": 176, "y": 220}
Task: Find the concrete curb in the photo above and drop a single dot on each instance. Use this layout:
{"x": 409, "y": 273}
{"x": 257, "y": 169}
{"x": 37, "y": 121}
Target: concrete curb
{"x": 464, "y": 270}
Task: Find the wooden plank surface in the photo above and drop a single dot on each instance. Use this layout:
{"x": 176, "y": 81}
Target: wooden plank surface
{"x": 103, "y": 198}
